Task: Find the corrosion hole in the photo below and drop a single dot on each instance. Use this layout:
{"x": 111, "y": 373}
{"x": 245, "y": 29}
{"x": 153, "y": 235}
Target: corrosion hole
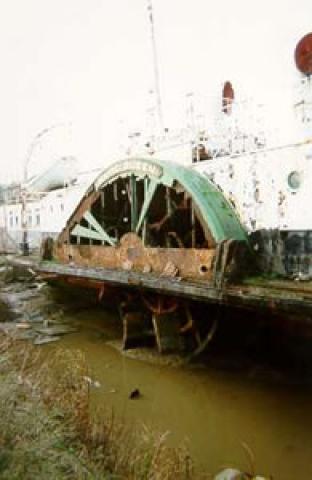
{"x": 203, "y": 269}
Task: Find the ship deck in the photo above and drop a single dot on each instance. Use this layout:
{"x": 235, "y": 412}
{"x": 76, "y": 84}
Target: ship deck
{"x": 282, "y": 297}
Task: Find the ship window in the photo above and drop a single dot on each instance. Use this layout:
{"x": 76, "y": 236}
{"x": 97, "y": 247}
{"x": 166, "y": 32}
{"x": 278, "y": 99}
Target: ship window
{"x": 37, "y": 219}
{"x": 294, "y": 180}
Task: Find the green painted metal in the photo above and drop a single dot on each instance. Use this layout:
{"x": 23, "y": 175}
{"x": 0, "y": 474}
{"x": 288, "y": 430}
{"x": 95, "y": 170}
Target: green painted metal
{"x": 151, "y": 189}
{"x": 217, "y": 213}
{"x": 79, "y": 231}
{"x": 98, "y": 228}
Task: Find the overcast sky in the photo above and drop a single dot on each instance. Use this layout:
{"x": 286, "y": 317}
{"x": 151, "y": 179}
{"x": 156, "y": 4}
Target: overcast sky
{"x": 85, "y": 65}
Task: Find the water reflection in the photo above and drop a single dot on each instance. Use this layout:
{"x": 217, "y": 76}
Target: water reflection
{"x": 253, "y": 387}
{"x": 246, "y": 390}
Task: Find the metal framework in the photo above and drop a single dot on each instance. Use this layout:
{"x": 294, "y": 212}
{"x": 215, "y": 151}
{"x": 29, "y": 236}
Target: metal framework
{"x": 157, "y": 220}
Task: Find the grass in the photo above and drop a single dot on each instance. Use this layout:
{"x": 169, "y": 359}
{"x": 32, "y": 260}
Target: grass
{"x": 47, "y": 430}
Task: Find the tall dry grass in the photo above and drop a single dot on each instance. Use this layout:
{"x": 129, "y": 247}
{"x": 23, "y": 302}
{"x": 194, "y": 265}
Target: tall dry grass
{"x": 48, "y": 432}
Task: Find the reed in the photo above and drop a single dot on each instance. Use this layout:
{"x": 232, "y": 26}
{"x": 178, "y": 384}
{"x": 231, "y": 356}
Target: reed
{"x": 48, "y": 430}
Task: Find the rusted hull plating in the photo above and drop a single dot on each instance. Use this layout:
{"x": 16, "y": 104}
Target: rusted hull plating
{"x": 131, "y": 255}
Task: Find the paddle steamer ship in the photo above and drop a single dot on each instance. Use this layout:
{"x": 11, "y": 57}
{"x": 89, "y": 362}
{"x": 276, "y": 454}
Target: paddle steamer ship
{"x": 193, "y": 214}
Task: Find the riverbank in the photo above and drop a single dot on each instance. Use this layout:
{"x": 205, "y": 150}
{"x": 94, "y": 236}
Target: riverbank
{"x": 218, "y": 406}
{"x": 48, "y": 431}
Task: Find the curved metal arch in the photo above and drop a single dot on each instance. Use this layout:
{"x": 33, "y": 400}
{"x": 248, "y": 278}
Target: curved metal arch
{"x": 216, "y": 212}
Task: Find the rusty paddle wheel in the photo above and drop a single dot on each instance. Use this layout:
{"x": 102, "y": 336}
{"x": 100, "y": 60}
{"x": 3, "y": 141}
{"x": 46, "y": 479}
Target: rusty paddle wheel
{"x": 158, "y": 221}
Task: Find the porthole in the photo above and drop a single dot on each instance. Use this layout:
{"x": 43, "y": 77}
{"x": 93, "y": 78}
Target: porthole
{"x": 294, "y": 180}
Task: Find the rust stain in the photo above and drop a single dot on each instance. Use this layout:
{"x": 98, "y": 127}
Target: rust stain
{"x": 132, "y": 255}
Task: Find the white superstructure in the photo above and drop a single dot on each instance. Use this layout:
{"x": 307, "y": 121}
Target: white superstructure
{"x": 259, "y": 156}
{"x": 50, "y": 199}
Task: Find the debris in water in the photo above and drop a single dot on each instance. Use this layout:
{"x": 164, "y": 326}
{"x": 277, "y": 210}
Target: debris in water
{"x": 35, "y": 317}
{"x": 43, "y": 340}
{"x": 135, "y": 394}
{"x": 31, "y": 271}
{"x": 234, "y": 474}
{"x": 230, "y": 474}
{"x": 92, "y": 383}
{"x": 56, "y": 330}
{"x": 23, "y": 325}
{"x": 302, "y": 277}
{"x": 34, "y": 314}
{"x": 7, "y": 327}
{"x": 24, "y": 335}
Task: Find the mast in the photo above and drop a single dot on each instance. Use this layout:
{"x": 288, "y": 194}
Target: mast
{"x": 156, "y": 67}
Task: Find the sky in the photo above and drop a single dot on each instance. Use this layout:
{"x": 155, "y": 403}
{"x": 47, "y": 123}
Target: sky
{"x": 82, "y": 69}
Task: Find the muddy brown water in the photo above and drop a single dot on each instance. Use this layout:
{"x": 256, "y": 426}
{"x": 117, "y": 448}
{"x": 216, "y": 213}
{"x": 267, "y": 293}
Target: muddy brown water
{"x": 242, "y": 392}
